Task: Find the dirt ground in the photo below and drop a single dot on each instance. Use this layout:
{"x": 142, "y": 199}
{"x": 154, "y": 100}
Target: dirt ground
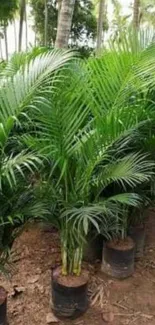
{"x": 35, "y": 251}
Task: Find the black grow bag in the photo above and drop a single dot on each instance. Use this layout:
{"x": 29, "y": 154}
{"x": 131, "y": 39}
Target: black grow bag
{"x": 138, "y": 236}
{"x": 93, "y": 249}
{"x": 117, "y": 262}
{"x": 69, "y": 302}
{"x": 3, "y": 306}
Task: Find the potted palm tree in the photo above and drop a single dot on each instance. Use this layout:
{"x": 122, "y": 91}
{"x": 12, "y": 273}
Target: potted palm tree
{"x": 127, "y": 242}
{"x": 118, "y": 252}
{"x": 83, "y": 127}
{"x": 18, "y": 89}
{"x": 85, "y": 158}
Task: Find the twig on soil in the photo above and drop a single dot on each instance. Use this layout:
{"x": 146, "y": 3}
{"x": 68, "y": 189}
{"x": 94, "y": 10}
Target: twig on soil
{"x": 98, "y": 293}
{"x": 133, "y": 320}
{"x": 138, "y": 313}
{"x": 125, "y": 314}
{"x": 120, "y": 306}
{"x": 147, "y": 316}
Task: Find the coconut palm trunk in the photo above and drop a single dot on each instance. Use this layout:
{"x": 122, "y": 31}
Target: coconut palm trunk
{"x": 6, "y": 41}
{"x": 26, "y": 28}
{"x": 64, "y": 23}
{"x": 136, "y": 8}
{"x": 1, "y": 51}
{"x": 100, "y": 25}
{"x": 46, "y": 24}
{"x": 59, "y": 7}
{"x": 15, "y": 34}
{"x": 22, "y": 16}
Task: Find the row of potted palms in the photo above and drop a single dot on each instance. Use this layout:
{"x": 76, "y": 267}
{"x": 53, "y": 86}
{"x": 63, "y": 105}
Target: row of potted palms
{"x": 81, "y": 127}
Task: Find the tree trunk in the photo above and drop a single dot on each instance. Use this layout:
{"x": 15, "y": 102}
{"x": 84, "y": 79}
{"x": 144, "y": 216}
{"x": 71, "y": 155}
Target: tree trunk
{"x": 100, "y": 25}
{"x": 6, "y": 42}
{"x": 59, "y": 8}
{"x": 1, "y": 51}
{"x": 46, "y": 24}
{"x": 64, "y": 23}
{"x": 26, "y": 28}
{"x": 15, "y": 34}
{"x": 22, "y": 15}
{"x": 136, "y": 14}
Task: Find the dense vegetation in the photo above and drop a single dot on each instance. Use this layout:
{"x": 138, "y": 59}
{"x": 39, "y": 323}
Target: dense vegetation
{"x": 77, "y": 141}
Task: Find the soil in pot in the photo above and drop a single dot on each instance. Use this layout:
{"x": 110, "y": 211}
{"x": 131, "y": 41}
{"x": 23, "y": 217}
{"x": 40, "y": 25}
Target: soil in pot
{"x": 69, "y": 294}
{"x": 118, "y": 258}
{"x": 3, "y": 306}
{"x": 93, "y": 249}
{"x": 138, "y": 235}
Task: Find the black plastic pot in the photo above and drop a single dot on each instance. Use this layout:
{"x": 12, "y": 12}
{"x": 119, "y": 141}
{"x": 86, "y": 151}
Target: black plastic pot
{"x": 138, "y": 236}
{"x": 69, "y": 302}
{"x": 118, "y": 258}
{"x": 93, "y": 249}
{"x": 3, "y": 306}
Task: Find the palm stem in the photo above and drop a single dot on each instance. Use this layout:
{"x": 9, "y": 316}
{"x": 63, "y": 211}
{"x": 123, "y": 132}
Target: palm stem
{"x": 64, "y": 262}
{"x": 76, "y": 261}
{"x": 80, "y": 261}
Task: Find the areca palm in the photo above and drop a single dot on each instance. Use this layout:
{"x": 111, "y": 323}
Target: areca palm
{"x": 20, "y": 91}
{"x": 88, "y": 130}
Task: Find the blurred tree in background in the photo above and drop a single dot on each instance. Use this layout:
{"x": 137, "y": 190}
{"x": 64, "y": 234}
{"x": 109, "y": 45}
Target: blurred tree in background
{"x": 7, "y": 11}
{"x": 83, "y": 25}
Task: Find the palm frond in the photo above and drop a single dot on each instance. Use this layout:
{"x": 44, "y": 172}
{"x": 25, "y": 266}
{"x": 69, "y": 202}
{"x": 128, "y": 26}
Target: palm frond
{"x": 16, "y": 165}
{"x": 19, "y": 92}
{"x": 129, "y": 171}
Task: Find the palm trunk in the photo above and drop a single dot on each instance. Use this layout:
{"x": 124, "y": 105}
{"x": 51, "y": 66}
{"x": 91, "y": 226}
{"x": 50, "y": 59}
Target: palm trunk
{"x": 15, "y": 34}
{"x": 26, "y": 28}
{"x": 59, "y": 8}
{"x": 22, "y": 14}
{"x": 6, "y": 42}
{"x": 46, "y": 24}
{"x": 136, "y": 14}
{"x": 1, "y": 51}
{"x": 100, "y": 25}
{"x": 64, "y": 23}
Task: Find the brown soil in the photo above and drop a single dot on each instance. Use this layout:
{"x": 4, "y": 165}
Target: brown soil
{"x": 71, "y": 280}
{"x": 127, "y": 302}
{"x": 121, "y": 244}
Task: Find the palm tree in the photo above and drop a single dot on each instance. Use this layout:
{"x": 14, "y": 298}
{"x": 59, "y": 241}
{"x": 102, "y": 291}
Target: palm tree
{"x": 18, "y": 91}
{"x": 100, "y": 25}
{"x": 136, "y": 17}
{"x": 22, "y": 8}
{"x": 7, "y": 12}
{"x": 64, "y": 23}
{"x": 88, "y": 130}
{"x": 19, "y": 88}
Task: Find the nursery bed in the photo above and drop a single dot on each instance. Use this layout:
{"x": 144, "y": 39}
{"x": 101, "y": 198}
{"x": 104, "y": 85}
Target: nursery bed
{"x": 125, "y": 302}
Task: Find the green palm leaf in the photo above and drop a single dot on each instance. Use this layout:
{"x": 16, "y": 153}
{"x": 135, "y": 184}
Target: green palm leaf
{"x": 17, "y": 165}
